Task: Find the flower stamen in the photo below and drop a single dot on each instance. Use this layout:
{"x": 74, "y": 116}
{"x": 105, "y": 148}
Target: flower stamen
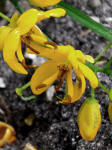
{"x": 41, "y": 86}
{"x": 51, "y": 43}
{"x": 27, "y": 66}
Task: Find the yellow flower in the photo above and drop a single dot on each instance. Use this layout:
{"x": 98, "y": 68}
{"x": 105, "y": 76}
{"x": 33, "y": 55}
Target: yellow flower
{"x": 89, "y": 119}
{"x": 62, "y": 61}
{"x": 7, "y": 133}
{"x": 19, "y": 30}
{"x": 44, "y": 3}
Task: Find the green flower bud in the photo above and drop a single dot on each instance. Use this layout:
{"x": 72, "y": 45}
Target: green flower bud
{"x": 89, "y": 119}
{"x": 110, "y": 111}
{"x": 110, "y": 94}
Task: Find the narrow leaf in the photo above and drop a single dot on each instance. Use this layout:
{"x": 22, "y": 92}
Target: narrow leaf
{"x": 85, "y": 20}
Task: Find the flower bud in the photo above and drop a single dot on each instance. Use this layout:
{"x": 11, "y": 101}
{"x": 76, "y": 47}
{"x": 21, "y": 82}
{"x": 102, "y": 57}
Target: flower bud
{"x": 110, "y": 111}
{"x": 89, "y": 119}
{"x": 110, "y": 94}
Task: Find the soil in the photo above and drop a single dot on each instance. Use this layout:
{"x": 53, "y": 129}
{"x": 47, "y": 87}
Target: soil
{"x": 55, "y": 125}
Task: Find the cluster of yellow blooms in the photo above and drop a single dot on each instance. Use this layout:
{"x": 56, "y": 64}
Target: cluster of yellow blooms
{"x": 61, "y": 61}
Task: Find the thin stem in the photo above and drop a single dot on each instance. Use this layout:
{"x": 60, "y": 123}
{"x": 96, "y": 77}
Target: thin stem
{"x": 29, "y": 98}
{"x": 19, "y": 92}
{"x": 108, "y": 65}
{"x": 103, "y": 51}
{"x": 92, "y": 92}
{"x": 106, "y": 90}
{"x": 4, "y": 17}
{"x": 25, "y": 86}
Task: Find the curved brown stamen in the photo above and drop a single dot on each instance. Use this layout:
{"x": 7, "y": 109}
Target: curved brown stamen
{"x": 41, "y": 86}
{"x": 26, "y": 40}
{"x": 51, "y": 43}
{"x": 27, "y": 66}
{"x": 66, "y": 101}
{"x": 61, "y": 78}
{"x": 79, "y": 82}
{"x": 33, "y": 50}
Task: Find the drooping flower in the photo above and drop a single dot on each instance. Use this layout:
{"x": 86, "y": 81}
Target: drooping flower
{"x": 18, "y": 31}
{"x": 59, "y": 67}
{"x": 89, "y": 119}
{"x": 44, "y": 3}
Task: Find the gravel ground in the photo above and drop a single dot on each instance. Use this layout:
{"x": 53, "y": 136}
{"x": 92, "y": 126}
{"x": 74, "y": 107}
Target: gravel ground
{"x": 55, "y": 125}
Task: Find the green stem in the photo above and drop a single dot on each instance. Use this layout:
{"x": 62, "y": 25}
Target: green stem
{"x": 29, "y": 98}
{"x": 106, "y": 90}
{"x": 108, "y": 65}
{"x": 24, "y": 87}
{"x": 19, "y": 92}
{"x": 92, "y": 92}
{"x": 18, "y": 6}
{"x": 4, "y": 17}
{"x": 103, "y": 51}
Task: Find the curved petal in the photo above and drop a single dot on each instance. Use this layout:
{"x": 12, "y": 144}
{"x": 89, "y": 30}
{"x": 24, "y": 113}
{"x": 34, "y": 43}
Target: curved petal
{"x": 57, "y": 12}
{"x": 19, "y": 53}
{"x": 89, "y": 74}
{"x": 43, "y": 77}
{"x": 89, "y": 58}
{"x": 44, "y": 3}
{"x": 70, "y": 89}
{"x": 79, "y": 86}
{"x": 13, "y": 20}
{"x": 80, "y": 56}
{"x": 48, "y": 53}
{"x": 9, "y": 52}
{"x": 26, "y": 21}
{"x": 3, "y": 34}
{"x": 38, "y": 38}
{"x": 36, "y": 30}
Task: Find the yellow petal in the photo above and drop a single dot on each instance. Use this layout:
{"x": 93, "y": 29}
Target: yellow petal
{"x": 9, "y": 52}
{"x": 44, "y": 3}
{"x": 36, "y": 30}
{"x": 79, "y": 86}
{"x": 70, "y": 83}
{"x": 57, "y": 12}
{"x": 38, "y": 39}
{"x": 3, "y": 34}
{"x": 80, "y": 56}
{"x": 41, "y": 51}
{"x": 89, "y": 74}
{"x": 19, "y": 53}
{"x": 89, "y": 58}
{"x": 70, "y": 89}
{"x": 27, "y": 20}
{"x": 13, "y": 20}
{"x": 43, "y": 77}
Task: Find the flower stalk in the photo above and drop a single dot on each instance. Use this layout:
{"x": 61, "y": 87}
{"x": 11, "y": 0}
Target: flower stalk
{"x": 4, "y": 17}
{"x": 106, "y": 48}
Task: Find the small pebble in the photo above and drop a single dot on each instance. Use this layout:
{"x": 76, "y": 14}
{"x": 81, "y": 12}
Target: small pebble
{"x": 2, "y": 83}
{"x": 28, "y": 146}
{"x": 94, "y": 3}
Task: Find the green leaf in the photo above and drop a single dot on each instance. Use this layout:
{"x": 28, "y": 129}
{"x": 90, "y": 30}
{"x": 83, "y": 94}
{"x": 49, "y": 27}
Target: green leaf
{"x": 85, "y": 20}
